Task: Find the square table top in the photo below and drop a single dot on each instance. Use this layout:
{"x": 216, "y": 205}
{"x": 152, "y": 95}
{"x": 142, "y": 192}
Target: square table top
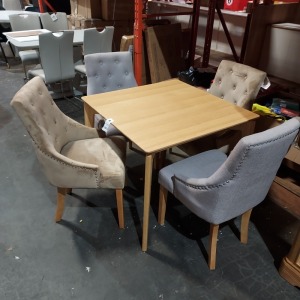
{"x": 162, "y": 115}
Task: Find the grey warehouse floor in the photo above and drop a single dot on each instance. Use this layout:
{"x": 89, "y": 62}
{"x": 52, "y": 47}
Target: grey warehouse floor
{"x": 86, "y": 256}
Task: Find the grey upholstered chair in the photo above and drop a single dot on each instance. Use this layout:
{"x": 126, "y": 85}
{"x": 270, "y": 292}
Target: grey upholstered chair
{"x": 95, "y": 41}
{"x": 70, "y": 154}
{"x": 108, "y": 72}
{"x": 26, "y": 22}
{"x": 56, "y": 53}
{"x": 236, "y": 83}
{"x": 54, "y": 22}
{"x": 218, "y": 188}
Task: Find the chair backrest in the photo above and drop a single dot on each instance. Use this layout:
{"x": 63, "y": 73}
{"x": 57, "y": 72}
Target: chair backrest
{"x": 56, "y": 53}
{"x": 47, "y": 125}
{"x": 244, "y": 179}
{"x": 24, "y": 21}
{"x": 54, "y": 22}
{"x": 109, "y": 72}
{"x": 237, "y": 83}
{"x": 97, "y": 42}
{"x": 12, "y": 4}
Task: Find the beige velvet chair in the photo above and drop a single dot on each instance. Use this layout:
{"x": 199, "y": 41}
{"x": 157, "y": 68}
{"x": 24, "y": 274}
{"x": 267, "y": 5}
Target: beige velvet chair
{"x": 236, "y": 83}
{"x": 70, "y": 154}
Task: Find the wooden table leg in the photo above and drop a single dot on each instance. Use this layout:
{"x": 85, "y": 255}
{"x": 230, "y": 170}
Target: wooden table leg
{"x": 147, "y": 196}
{"x": 88, "y": 115}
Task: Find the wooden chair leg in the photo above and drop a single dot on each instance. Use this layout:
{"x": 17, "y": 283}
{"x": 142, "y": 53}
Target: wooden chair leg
{"x": 245, "y": 226}
{"x": 163, "y": 193}
{"x": 61, "y": 193}
{"x": 119, "y": 196}
{"x": 214, "y": 229}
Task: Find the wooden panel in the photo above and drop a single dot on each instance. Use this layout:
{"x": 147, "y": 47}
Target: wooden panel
{"x": 117, "y": 9}
{"x": 164, "y": 51}
{"x": 263, "y": 16}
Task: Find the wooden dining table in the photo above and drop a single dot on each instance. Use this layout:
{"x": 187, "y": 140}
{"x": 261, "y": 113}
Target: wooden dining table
{"x": 159, "y": 116}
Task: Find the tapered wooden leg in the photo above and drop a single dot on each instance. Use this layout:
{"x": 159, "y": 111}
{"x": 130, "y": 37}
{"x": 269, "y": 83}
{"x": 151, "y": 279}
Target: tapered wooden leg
{"x": 214, "y": 229}
{"x": 163, "y": 194}
{"x": 61, "y": 193}
{"x": 119, "y": 196}
{"x": 147, "y": 196}
{"x": 245, "y": 226}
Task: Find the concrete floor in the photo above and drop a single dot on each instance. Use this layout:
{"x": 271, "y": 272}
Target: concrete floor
{"x": 86, "y": 256}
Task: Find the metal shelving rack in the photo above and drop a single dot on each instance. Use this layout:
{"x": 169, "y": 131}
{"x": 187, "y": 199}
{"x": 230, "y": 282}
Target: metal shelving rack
{"x": 140, "y": 15}
{"x": 212, "y": 8}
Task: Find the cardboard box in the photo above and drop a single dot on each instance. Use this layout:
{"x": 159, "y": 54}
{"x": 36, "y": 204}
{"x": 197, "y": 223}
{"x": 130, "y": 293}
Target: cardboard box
{"x": 117, "y": 9}
{"x": 86, "y": 8}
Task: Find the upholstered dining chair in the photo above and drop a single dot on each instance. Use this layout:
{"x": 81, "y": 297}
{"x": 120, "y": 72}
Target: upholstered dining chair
{"x": 108, "y": 72}
{"x": 54, "y": 22}
{"x": 95, "y": 41}
{"x": 238, "y": 84}
{"x": 56, "y": 53}
{"x": 70, "y": 154}
{"x": 26, "y": 22}
{"x": 218, "y": 188}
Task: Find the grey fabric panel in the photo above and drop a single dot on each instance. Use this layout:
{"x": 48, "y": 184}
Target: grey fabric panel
{"x": 109, "y": 72}
{"x": 197, "y": 166}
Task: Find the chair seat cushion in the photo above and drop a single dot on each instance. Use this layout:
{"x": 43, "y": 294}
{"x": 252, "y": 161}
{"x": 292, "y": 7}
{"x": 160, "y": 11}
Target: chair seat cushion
{"x": 29, "y": 56}
{"x": 201, "y": 165}
{"x": 80, "y": 69}
{"x": 99, "y": 152}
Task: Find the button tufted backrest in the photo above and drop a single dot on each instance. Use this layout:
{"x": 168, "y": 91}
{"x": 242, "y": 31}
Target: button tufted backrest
{"x": 49, "y": 128}
{"x": 237, "y": 83}
{"x": 109, "y": 72}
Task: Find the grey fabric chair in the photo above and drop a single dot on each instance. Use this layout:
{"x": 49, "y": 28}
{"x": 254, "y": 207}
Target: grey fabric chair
{"x": 95, "y": 41}
{"x": 56, "y": 53}
{"x": 236, "y": 83}
{"x": 218, "y": 188}
{"x": 70, "y": 154}
{"x": 26, "y": 22}
{"x": 54, "y": 22}
{"x": 107, "y": 72}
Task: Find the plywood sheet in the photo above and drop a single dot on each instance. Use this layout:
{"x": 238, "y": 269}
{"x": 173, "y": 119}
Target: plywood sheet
{"x": 164, "y": 51}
